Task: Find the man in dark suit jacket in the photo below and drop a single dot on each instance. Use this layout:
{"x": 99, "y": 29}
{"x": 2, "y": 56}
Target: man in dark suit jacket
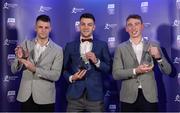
{"x": 86, "y": 61}
{"x": 133, "y": 64}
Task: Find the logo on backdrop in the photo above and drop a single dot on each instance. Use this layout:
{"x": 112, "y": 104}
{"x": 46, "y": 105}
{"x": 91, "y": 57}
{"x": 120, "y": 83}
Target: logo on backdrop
{"x": 11, "y": 22}
{"x": 108, "y": 93}
{"x": 10, "y": 58}
{"x": 7, "y": 42}
{"x": 179, "y": 78}
{"x": 144, "y": 7}
{"x": 176, "y": 60}
{"x": 44, "y": 9}
{"x": 8, "y": 5}
{"x": 178, "y": 41}
{"x": 77, "y": 26}
{"x": 111, "y": 9}
{"x": 8, "y": 78}
{"x": 112, "y": 107}
{"x": 178, "y": 4}
{"x": 147, "y": 24}
{"x": 111, "y": 42}
{"x": 176, "y": 23}
{"x": 177, "y": 98}
{"x": 109, "y": 26}
{"x": 77, "y": 10}
{"x": 11, "y": 96}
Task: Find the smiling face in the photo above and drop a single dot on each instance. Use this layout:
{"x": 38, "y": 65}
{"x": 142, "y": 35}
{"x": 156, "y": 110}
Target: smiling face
{"x": 134, "y": 27}
{"x": 87, "y": 27}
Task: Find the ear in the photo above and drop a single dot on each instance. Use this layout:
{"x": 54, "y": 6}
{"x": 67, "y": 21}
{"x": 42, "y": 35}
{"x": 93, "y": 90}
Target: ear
{"x": 126, "y": 29}
{"x": 142, "y": 26}
{"x": 50, "y": 29}
{"x": 94, "y": 28}
{"x": 35, "y": 27}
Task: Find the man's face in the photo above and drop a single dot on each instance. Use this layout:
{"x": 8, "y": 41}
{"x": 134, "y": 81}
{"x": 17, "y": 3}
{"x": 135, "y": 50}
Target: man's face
{"x": 86, "y": 27}
{"x": 43, "y": 29}
{"x": 134, "y": 27}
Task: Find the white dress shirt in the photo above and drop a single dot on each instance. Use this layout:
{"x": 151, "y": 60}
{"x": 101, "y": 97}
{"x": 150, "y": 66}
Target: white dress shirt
{"x": 138, "y": 50}
{"x": 38, "y": 50}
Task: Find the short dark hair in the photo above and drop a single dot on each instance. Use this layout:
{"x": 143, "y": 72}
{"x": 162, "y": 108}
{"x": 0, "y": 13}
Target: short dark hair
{"x": 135, "y": 16}
{"x": 87, "y": 15}
{"x": 44, "y": 18}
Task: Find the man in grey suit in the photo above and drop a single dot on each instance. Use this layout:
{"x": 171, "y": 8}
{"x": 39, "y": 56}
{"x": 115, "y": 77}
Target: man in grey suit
{"x": 40, "y": 61}
{"x": 133, "y": 65}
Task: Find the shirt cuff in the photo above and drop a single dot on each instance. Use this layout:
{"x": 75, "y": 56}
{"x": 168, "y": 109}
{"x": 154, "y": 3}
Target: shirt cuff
{"x": 39, "y": 75}
{"x": 70, "y": 79}
{"x": 159, "y": 60}
{"x": 98, "y": 63}
{"x": 134, "y": 71}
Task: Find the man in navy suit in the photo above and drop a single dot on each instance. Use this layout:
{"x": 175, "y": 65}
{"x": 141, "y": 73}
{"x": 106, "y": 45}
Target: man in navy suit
{"x": 86, "y": 61}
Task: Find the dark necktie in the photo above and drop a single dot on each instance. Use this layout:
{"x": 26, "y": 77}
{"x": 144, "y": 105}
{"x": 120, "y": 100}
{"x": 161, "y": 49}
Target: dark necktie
{"x": 89, "y": 40}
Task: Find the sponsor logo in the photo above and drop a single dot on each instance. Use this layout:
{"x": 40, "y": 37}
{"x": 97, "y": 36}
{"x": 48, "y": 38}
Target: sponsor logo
{"x": 178, "y": 4}
{"x": 109, "y": 26}
{"x": 177, "y": 98}
{"x": 108, "y": 93}
{"x": 77, "y": 10}
{"x": 44, "y": 9}
{"x": 10, "y": 58}
{"x": 11, "y": 22}
{"x": 7, "y": 42}
{"x": 8, "y": 5}
{"x": 112, "y": 107}
{"x": 8, "y": 78}
{"x": 147, "y": 24}
{"x": 77, "y": 26}
{"x": 111, "y": 42}
{"x": 176, "y": 23}
{"x": 178, "y": 41}
{"x": 11, "y": 96}
{"x": 176, "y": 60}
{"x": 178, "y": 78}
{"x": 144, "y": 7}
{"x": 111, "y": 9}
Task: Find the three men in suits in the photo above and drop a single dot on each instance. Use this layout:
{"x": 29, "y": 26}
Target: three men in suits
{"x": 133, "y": 65}
{"x": 40, "y": 61}
{"x": 86, "y": 61}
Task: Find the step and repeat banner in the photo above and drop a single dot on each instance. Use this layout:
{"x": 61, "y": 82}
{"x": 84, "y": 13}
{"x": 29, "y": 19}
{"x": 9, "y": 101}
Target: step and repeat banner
{"x": 162, "y": 24}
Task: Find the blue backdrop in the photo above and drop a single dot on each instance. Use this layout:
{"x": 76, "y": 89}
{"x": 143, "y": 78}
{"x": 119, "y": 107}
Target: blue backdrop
{"x": 162, "y": 24}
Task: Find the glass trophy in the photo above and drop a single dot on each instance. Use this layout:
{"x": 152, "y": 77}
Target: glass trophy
{"x": 84, "y": 65}
{"x": 148, "y": 60}
{"x": 25, "y": 52}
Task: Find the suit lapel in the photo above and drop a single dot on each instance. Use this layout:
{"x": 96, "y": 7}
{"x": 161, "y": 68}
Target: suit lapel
{"x": 44, "y": 53}
{"x": 77, "y": 47}
{"x": 94, "y": 45}
{"x": 30, "y": 46}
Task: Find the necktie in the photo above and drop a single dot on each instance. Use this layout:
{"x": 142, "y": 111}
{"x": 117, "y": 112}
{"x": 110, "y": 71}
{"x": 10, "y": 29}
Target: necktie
{"x": 89, "y": 40}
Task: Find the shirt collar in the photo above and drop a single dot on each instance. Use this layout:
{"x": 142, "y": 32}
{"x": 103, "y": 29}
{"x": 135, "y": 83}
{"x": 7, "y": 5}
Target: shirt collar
{"x": 142, "y": 40}
{"x": 43, "y": 45}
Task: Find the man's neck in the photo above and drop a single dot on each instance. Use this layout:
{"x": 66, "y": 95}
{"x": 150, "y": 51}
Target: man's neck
{"x": 136, "y": 40}
{"x": 42, "y": 42}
